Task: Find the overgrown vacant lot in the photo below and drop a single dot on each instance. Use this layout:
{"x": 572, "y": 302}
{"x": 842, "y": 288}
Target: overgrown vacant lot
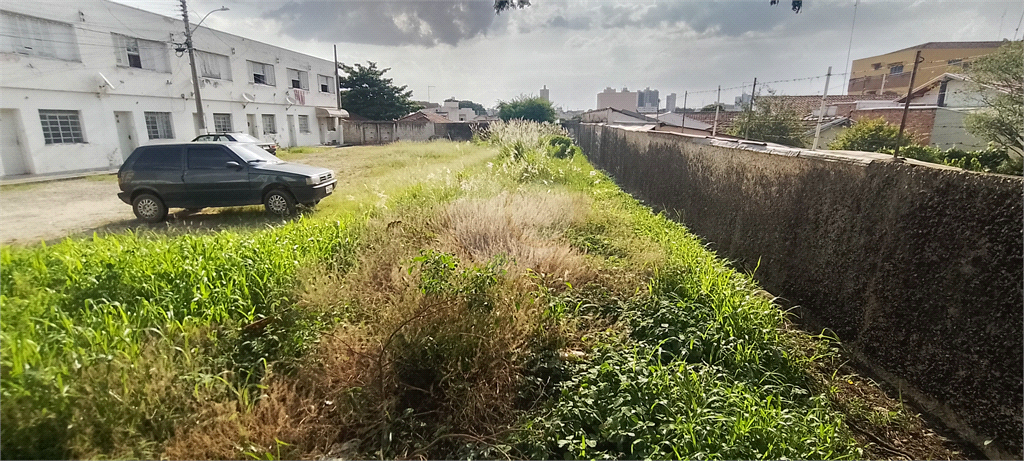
{"x": 450, "y": 300}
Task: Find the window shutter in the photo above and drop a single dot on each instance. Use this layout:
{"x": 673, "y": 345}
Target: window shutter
{"x": 120, "y": 50}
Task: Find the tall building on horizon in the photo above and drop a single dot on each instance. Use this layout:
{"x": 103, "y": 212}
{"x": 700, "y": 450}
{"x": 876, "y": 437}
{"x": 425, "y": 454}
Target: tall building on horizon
{"x": 544, "y": 94}
{"x": 670, "y": 102}
{"x": 647, "y": 101}
{"x": 624, "y": 100}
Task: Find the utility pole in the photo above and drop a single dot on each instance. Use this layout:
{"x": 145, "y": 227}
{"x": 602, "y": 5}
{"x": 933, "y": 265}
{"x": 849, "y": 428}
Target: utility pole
{"x": 718, "y": 104}
{"x": 684, "y": 102}
{"x": 821, "y": 110}
{"x": 192, "y": 62}
{"x": 906, "y": 106}
{"x": 336, "y": 83}
{"x": 750, "y": 110}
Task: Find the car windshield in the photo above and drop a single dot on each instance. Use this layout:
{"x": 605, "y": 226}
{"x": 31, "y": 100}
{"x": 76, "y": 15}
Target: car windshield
{"x": 242, "y": 137}
{"x": 252, "y": 153}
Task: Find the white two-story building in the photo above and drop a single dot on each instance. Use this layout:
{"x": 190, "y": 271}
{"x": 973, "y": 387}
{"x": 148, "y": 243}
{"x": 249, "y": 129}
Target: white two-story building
{"x": 83, "y": 83}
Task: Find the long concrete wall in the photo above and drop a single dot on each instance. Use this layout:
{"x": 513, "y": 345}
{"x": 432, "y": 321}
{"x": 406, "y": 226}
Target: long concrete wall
{"x": 917, "y": 268}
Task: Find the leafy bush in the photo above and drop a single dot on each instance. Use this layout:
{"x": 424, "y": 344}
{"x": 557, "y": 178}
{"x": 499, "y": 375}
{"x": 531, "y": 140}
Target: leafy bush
{"x": 992, "y": 159}
{"x": 869, "y": 135}
{"x": 524, "y": 107}
{"x": 560, "y": 146}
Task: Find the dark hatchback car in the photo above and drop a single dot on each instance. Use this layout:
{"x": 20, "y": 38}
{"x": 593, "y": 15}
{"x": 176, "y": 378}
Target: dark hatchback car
{"x": 217, "y": 174}
{"x": 237, "y": 137}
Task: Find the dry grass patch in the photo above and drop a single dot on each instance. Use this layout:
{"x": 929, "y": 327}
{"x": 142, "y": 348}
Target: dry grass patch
{"x": 527, "y": 229}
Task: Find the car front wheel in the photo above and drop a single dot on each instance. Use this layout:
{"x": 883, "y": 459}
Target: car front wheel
{"x": 149, "y": 208}
{"x": 279, "y": 202}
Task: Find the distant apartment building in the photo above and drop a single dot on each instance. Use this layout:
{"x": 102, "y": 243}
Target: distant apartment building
{"x": 84, "y": 83}
{"x": 647, "y": 101}
{"x": 623, "y": 100}
{"x": 670, "y": 102}
{"x": 544, "y": 94}
{"x": 890, "y": 73}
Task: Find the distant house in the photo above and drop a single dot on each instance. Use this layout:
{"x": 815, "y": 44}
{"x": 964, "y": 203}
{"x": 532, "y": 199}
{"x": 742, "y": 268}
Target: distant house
{"x": 451, "y": 111}
{"x": 417, "y": 126}
{"x": 683, "y": 121}
{"x": 672, "y": 122}
{"x": 890, "y": 73}
{"x": 613, "y": 116}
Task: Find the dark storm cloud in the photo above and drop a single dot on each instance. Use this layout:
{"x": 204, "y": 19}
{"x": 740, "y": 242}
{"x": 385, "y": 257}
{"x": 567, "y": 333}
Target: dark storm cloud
{"x": 390, "y": 23}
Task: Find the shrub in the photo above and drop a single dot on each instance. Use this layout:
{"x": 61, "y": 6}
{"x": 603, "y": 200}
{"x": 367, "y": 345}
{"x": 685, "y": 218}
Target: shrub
{"x": 561, "y": 147}
{"x": 527, "y": 108}
{"x": 869, "y": 135}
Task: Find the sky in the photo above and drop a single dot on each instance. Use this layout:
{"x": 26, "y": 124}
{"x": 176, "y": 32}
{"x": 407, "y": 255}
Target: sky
{"x": 577, "y": 48}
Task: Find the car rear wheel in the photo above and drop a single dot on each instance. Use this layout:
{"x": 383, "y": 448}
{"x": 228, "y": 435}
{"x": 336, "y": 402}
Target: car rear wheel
{"x": 149, "y": 208}
{"x": 279, "y": 202}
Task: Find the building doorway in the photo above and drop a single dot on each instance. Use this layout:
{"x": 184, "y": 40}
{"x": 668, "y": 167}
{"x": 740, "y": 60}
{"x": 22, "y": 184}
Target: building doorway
{"x": 125, "y": 133}
{"x": 12, "y": 151}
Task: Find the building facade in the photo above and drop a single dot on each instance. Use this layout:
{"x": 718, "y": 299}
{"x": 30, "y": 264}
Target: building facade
{"x": 545, "y": 94}
{"x": 647, "y": 101}
{"x": 84, "y": 83}
{"x": 890, "y": 73}
{"x": 624, "y": 100}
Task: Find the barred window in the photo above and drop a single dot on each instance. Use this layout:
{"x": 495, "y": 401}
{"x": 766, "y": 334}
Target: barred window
{"x": 269, "y": 124}
{"x": 222, "y": 123}
{"x": 303, "y": 124}
{"x": 158, "y": 125}
{"x": 61, "y": 126}
{"x": 261, "y": 73}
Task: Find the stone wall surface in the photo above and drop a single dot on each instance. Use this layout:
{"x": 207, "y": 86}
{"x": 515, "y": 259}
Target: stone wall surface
{"x": 918, "y": 269}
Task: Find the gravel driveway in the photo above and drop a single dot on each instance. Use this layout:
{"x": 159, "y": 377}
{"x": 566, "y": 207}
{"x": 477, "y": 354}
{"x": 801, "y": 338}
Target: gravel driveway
{"x": 52, "y": 210}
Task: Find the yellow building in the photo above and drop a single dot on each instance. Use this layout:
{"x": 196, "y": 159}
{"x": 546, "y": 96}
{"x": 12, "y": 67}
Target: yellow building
{"x": 890, "y": 73}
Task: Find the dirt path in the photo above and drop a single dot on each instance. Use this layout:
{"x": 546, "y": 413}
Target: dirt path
{"x": 51, "y": 210}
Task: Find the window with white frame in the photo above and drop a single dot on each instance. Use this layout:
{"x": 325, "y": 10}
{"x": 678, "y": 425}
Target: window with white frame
{"x": 222, "y": 123}
{"x": 158, "y": 125}
{"x": 37, "y": 37}
{"x": 61, "y": 126}
{"x": 261, "y": 73}
{"x": 303, "y": 124}
{"x": 269, "y": 124}
{"x": 897, "y": 69}
{"x": 140, "y": 53}
{"x": 326, "y": 83}
{"x": 298, "y": 79}
{"x": 212, "y": 65}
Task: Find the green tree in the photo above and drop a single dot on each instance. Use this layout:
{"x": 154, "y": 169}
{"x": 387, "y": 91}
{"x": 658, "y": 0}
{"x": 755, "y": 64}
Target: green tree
{"x": 366, "y": 92}
{"x": 467, "y": 104}
{"x": 527, "y": 108}
{"x": 869, "y": 135}
{"x": 773, "y": 120}
{"x": 502, "y": 5}
{"x": 998, "y": 78}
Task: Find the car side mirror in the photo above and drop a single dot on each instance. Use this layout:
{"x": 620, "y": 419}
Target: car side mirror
{"x": 233, "y": 165}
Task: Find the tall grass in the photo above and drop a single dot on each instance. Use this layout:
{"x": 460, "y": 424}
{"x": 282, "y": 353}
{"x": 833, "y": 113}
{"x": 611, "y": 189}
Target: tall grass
{"x": 530, "y": 309}
{"x": 86, "y": 305}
